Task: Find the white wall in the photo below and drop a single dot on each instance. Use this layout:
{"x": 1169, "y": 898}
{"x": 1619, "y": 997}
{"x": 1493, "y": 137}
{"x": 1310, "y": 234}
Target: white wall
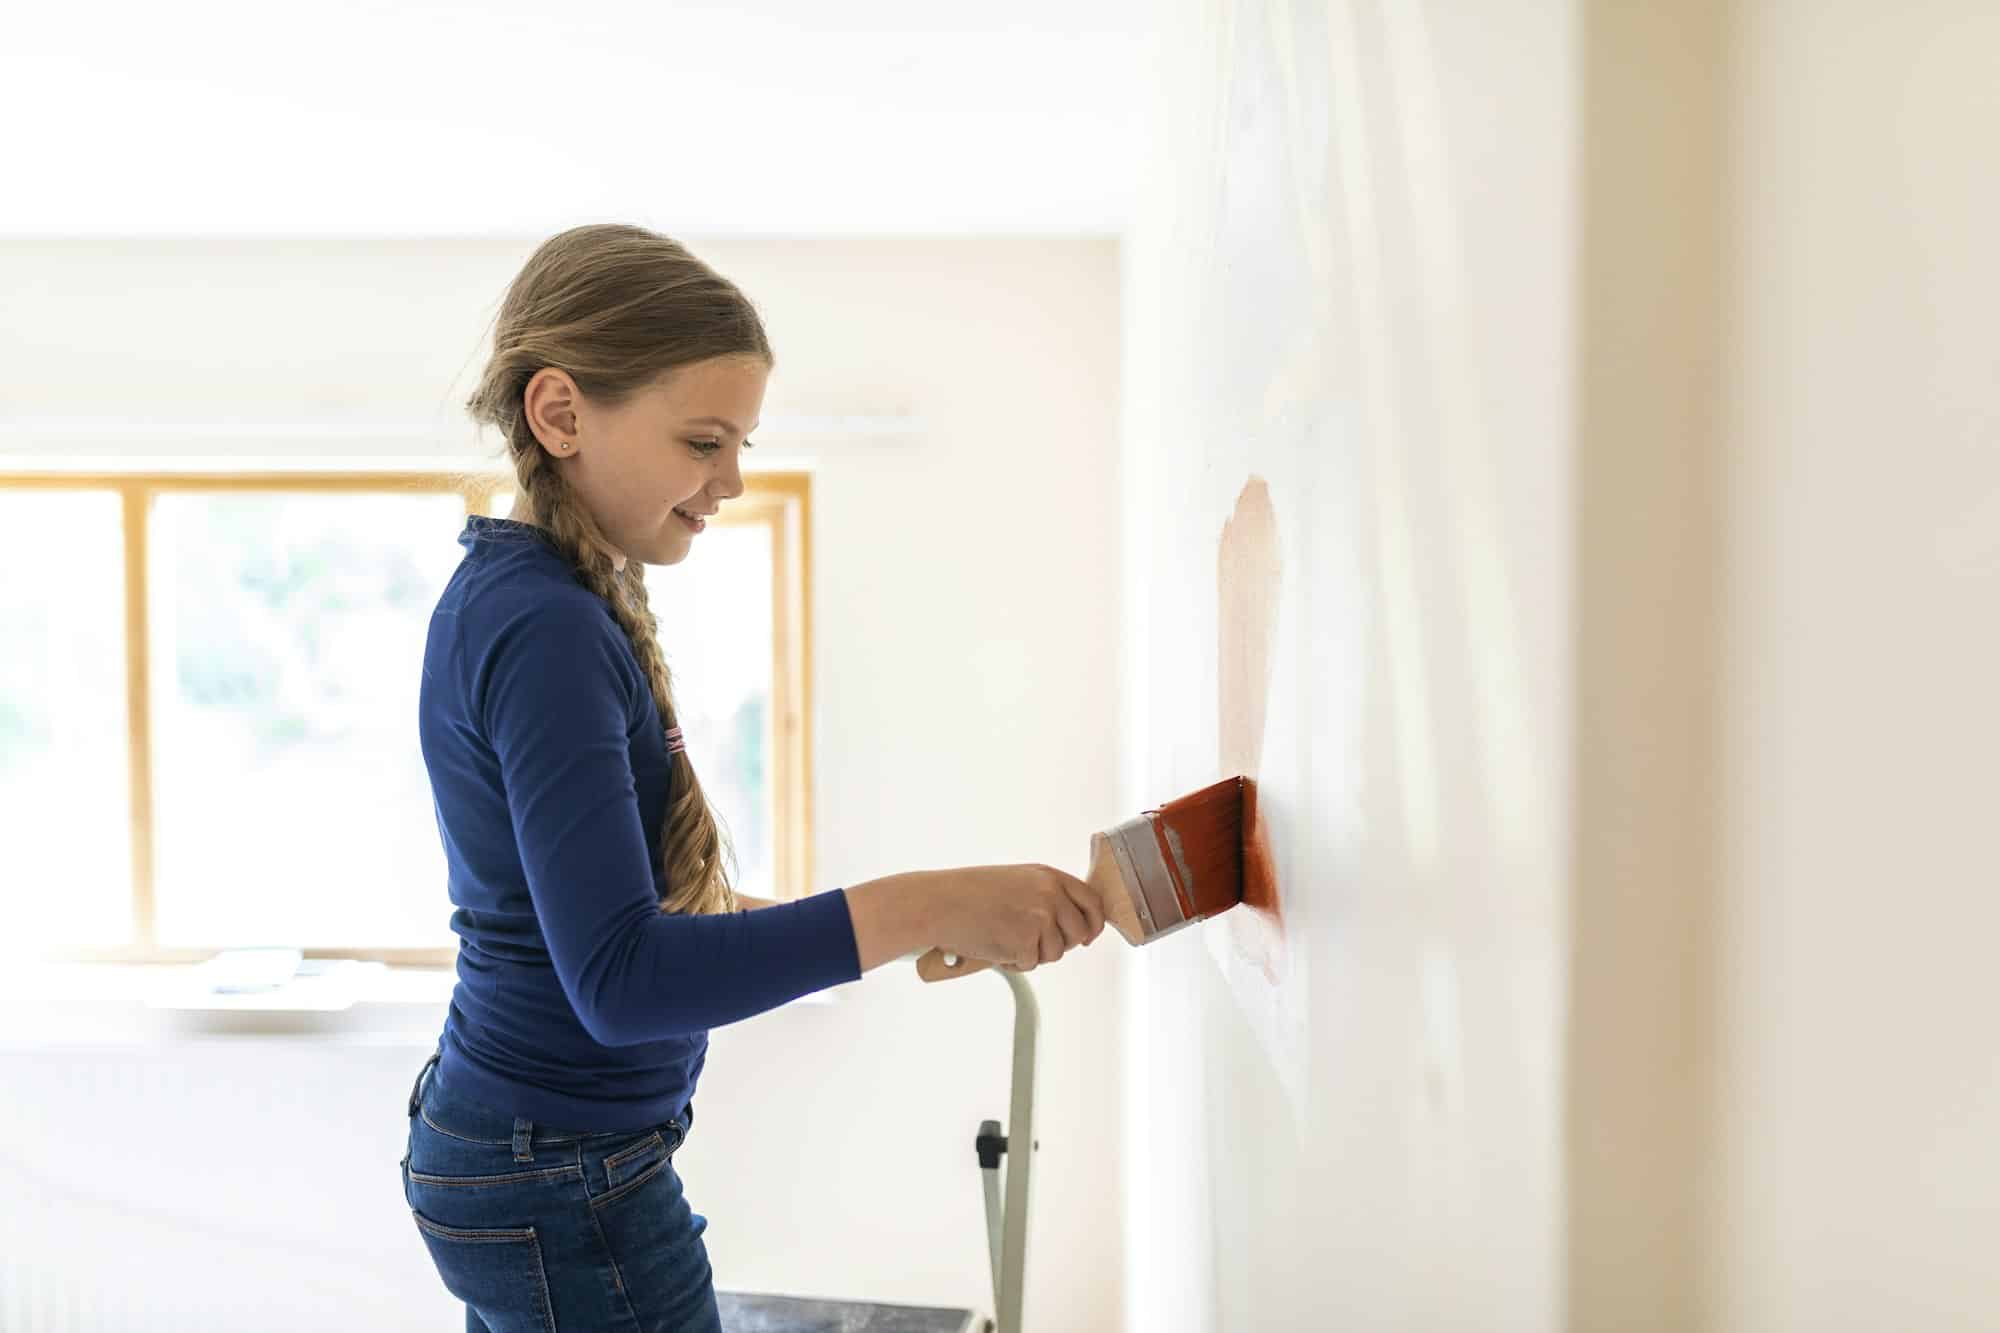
{"x": 1858, "y": 1102}
{"x": 1639, "y": 1050}
{"x": 965, "y": 710}
{"x": 1625, "y": 381}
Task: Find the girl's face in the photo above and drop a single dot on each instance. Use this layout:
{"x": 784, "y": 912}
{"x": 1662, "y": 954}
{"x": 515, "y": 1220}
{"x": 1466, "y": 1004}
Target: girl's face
{"x": 651, "y": 471}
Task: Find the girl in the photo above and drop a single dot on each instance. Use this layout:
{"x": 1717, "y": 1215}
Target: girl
{"x": 599, "y": 936}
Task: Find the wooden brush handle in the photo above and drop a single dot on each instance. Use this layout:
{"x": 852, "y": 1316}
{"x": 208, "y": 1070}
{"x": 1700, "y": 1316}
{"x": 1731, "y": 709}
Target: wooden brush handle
{"x": 934, "y": 967}
{"x": 1112, "y": 894}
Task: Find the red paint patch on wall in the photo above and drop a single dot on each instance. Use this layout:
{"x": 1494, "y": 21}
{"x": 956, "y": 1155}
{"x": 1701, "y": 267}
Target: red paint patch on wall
{"x": 1249, "y": 576}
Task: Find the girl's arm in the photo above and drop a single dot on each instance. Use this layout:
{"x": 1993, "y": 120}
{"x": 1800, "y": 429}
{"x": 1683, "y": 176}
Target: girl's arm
{"x": 552, "y": 696}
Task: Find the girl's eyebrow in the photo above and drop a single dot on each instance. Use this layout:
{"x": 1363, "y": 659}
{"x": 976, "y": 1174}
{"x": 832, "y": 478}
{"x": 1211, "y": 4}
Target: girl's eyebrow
{"x": 718, "y": 421}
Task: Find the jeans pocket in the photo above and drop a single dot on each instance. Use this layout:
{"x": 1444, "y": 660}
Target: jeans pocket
{"x": 655, "y": 1240}
{"x": 634, "y": 1159}
{"x": 496, "y": 1271}
{"x": 638, "y": 1158}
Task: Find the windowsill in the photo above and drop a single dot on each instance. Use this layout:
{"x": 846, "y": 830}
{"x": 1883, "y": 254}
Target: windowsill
{"x": 46, "y": 1005}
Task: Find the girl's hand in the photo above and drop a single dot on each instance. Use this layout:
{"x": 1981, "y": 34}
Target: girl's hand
{"x": 1017, "y": 916}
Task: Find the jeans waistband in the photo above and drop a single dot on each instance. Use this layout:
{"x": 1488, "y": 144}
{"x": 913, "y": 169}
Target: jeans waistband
{"x": 465, "y": 1118}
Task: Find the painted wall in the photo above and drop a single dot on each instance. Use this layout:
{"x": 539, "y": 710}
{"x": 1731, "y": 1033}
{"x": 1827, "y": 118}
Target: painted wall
{"x": 1351, "y": 292}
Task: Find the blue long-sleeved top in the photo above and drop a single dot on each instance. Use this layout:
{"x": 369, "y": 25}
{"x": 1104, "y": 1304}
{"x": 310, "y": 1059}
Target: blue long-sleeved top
{"x": 579, "y": 1003}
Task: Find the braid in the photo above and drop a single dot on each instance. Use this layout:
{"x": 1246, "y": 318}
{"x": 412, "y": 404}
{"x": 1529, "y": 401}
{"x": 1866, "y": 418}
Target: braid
{"x": 692, "y": 844}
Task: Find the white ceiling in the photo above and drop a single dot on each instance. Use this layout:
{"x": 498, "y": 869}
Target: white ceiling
{"x": 435, "y": 117}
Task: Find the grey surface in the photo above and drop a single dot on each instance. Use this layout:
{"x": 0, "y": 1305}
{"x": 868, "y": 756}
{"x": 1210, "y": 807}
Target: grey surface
{"x": 748, "y": 1313}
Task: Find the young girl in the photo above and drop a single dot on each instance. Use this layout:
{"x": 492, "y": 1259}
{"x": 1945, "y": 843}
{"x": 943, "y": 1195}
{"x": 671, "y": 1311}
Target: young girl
{"x": 599, "y": 935}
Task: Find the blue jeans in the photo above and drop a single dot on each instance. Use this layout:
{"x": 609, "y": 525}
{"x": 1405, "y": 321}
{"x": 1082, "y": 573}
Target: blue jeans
{"x": 539, "y": 1229}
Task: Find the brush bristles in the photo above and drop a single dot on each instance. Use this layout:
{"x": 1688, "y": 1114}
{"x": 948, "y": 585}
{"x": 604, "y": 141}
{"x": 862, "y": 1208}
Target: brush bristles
{"x": 1205, "y": 831}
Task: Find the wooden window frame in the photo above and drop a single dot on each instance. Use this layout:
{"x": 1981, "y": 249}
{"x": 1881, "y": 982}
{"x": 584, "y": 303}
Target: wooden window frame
{"x": 780, "y": 501}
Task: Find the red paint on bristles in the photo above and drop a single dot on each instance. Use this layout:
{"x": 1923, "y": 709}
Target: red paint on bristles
{"x": 1208, "y": 827}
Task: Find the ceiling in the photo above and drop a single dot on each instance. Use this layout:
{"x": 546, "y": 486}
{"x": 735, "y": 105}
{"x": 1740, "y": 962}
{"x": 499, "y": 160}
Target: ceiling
{"x": 421, "y": 118}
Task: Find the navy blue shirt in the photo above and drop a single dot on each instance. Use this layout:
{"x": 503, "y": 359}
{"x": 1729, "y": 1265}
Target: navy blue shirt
{"x": 579, "y": 1003}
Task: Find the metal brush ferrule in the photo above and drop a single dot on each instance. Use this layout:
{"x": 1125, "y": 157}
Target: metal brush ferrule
{"x": 1136, "y": 848}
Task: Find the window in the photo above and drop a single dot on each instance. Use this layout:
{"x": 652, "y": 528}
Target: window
{"x": 208, "y": 692}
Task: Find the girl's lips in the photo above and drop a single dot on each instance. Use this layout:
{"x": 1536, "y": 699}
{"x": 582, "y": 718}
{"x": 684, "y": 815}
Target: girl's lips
{"x": 696, "y": 523}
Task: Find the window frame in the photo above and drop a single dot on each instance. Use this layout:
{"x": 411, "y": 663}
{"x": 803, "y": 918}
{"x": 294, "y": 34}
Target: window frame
{"x": 779, "y": 500}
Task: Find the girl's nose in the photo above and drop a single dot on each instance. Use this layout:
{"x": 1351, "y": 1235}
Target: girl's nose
{"x": 730, "y": 476}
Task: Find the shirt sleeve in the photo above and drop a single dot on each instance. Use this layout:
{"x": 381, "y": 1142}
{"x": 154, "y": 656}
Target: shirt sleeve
{"x": 554, "y": 704}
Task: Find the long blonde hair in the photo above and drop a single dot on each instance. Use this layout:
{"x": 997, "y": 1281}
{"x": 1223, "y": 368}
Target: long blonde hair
{"x": 618, "y": 307}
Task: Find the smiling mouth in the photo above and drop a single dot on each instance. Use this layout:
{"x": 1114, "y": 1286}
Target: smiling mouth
{"x": 695, "y": 521}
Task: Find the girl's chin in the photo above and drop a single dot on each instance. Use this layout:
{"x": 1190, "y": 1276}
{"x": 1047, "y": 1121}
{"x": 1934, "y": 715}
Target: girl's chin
{"x": 669, "y": 550}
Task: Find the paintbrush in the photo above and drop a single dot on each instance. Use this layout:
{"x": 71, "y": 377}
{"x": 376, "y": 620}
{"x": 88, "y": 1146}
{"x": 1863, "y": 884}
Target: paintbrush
{"x": 1169, "y": 868}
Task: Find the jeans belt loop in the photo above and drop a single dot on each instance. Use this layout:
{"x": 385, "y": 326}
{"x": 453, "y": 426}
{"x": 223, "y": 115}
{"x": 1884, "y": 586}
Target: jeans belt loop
{"x": 417, "y": 1087}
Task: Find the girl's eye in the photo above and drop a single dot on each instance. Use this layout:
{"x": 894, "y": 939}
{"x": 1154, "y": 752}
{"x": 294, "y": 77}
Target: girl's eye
{"x": 706, "y": 446}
